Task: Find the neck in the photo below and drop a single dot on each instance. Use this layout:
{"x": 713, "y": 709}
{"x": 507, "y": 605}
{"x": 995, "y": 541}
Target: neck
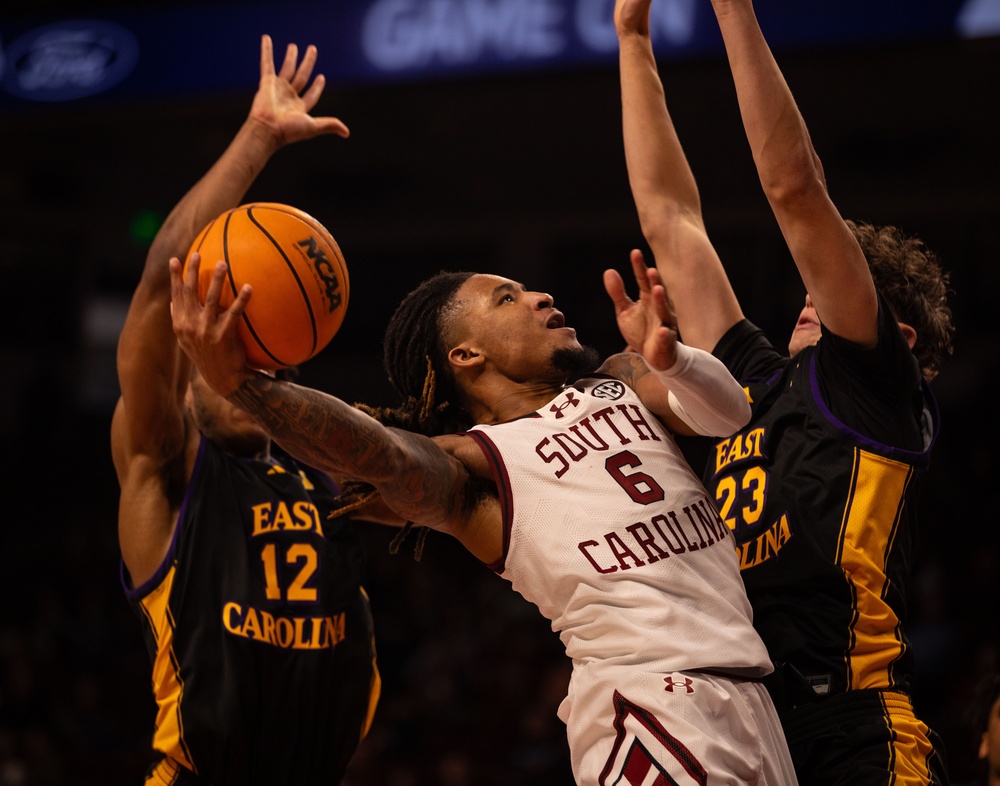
{"x": 514, "y": 402}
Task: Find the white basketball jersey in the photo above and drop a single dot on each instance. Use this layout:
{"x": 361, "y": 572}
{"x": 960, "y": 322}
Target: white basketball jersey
{"x": 612, "y": 535}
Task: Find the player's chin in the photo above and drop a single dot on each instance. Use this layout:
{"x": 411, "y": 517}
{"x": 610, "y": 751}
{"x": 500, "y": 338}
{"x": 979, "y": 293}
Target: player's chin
{"x": 562, "y": 339}
{"x": 802, "y": 337}
{"x": 576, "y": 359}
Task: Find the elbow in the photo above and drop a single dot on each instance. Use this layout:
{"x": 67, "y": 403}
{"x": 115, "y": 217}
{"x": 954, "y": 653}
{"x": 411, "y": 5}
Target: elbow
{"x": 799, "y": 181}
{"x": 655, "y": 217}
{"x": 664, "y": 228}
{"x": 795, "y": 196}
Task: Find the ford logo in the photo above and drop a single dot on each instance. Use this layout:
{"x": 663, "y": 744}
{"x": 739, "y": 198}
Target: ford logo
{"x": 69, "y": 60}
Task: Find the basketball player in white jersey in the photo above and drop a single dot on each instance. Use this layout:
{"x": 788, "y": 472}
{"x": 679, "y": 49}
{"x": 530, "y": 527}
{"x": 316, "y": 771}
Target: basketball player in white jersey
{"x": 568, "y": 483}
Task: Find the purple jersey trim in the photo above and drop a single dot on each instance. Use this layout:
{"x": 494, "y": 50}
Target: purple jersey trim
{"x": 140, "y": 592}
{"x": 918, "y": 458}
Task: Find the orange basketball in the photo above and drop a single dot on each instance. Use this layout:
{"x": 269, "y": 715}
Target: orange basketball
{"x": 298, "y": 275}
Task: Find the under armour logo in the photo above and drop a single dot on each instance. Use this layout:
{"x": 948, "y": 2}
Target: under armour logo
{"x": 684, "y": 683}
{"x": 557, "y": 409}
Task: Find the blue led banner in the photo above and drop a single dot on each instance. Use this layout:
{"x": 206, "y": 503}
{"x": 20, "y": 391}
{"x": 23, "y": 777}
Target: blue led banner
{"x": 212, "y": 48}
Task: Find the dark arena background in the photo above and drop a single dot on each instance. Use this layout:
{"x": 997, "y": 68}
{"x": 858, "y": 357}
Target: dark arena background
{"x": 486, "y": 136}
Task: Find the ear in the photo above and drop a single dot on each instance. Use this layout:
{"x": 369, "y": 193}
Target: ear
{"x": 909, "y": 334}
{"x": 984, "y": 746}
{"x": 465, "y": 356}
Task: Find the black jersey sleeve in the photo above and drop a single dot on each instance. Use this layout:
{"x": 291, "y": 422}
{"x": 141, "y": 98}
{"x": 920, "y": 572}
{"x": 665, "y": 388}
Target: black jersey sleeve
{"x": 875, "y": 391}
{"x": 747, "y": 352}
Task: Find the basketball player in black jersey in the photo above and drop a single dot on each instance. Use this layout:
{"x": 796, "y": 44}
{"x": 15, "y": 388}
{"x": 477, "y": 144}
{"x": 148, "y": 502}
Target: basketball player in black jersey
{"x": 249, "y": 594}
{"x": 818, "y": 486}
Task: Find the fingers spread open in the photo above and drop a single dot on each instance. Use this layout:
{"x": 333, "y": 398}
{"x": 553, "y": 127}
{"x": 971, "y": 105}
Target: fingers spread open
{"x": 288, "y": 66}
{"x": 305, "y": 69}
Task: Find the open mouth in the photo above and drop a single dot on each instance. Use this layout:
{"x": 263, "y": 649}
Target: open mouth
{"x": 556, "y": 320}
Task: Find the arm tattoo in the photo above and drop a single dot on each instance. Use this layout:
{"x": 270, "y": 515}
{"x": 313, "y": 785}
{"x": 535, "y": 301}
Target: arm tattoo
{"x": 324, "y": 431}
{"x": 629, "y": 367}
{"x": 314, "y": 427}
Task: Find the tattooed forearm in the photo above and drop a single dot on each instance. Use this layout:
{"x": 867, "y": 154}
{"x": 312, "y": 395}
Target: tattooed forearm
{"x": 316, "y": 428}
{"x": 416, "y": 477}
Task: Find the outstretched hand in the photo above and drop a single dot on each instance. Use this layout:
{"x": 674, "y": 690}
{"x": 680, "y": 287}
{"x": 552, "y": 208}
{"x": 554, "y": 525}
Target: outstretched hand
{"x": 283, "y": 101}
{"x": 646, "y": 324}
{"x": 206, "y": 333}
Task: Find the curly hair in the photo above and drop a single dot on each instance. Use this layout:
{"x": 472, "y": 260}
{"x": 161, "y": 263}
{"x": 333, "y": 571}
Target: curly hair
{"x": 910, "y": 277}
{"x": 416, "y": 362}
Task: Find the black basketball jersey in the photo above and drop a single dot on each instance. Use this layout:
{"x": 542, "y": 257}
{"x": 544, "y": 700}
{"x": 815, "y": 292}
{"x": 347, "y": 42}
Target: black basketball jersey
{"x": 818, "y": 489}
{"x": 258, "y": 628}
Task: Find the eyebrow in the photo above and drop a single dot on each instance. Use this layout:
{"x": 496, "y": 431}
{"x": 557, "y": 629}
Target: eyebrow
{"x": 508, "y": 286}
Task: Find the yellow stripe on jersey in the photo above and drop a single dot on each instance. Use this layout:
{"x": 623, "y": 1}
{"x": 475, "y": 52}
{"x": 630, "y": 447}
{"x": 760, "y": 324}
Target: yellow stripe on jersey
{"x": 375, "y": 688}
{"x": 165, "y": 773}
{"x": 168, "y": 687}
{"x": 910, "y": 746}
{"x": 869, "y": 527}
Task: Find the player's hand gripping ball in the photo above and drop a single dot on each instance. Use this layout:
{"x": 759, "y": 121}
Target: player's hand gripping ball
{"x": 298, "y": 275}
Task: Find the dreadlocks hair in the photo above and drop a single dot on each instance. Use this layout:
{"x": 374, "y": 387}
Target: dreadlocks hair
{"x": 415, "y": 359}
{"x": 911, "y": 279}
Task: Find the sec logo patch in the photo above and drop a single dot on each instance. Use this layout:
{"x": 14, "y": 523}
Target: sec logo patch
{"x": 612, "y": 390}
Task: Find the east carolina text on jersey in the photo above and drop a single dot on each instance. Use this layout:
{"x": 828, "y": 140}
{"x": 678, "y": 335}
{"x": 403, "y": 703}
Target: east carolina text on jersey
{"x": 741, "y": 490}
{"x": 821, "y": 506}
{"x": 299, "y": 633}
{"x": 278, "y": 515}
{"x": 253, "y": 621}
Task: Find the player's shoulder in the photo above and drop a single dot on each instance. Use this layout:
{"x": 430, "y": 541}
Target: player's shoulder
{"x": 464, "y": 448}
{"x": 627, "y": 367}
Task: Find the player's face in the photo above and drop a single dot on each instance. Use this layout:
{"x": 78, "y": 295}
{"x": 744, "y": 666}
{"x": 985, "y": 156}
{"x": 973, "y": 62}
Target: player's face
{"x": 807, "y": 330}
{"x": 227, "y": 425}
{"x": 518, "y": 330}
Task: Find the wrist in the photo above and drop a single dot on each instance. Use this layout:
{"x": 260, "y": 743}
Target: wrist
{"x": 683, "y": 357}
{"x": 265, "y": 137}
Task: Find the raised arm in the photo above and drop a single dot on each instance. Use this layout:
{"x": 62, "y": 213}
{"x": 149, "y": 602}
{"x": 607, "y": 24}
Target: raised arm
{"x": 417, "y": 478}
{"x": 828, "y": 257}
{"x": 153, "y": 372}
{"x": 665, "y": 192}
{"x": 150, "y": 435}
{"x": 690, "y": 389}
